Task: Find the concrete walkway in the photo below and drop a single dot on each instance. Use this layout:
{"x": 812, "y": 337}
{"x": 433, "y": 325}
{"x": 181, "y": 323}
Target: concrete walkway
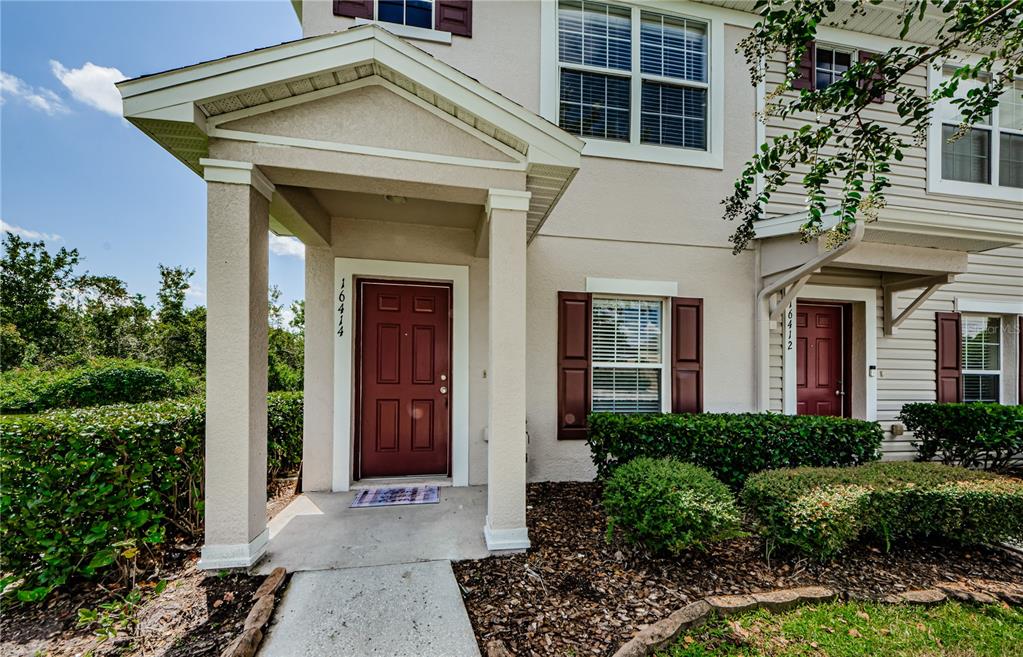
{"x": 400, "y": 610}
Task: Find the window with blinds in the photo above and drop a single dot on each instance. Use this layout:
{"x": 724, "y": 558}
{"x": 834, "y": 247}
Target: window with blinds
{"x": 982, "y": 359}
{"x": 605, "y": 80}
{"x": 627, "y": 357}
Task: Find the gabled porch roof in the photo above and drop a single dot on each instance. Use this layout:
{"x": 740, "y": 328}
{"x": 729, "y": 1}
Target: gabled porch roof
{"x": 180, "y": 109}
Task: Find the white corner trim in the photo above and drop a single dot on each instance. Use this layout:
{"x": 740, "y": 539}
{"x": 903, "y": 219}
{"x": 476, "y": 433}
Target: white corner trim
{"x": 505, "y": 539}
{"x": 346, "y": 270}
{"x": 965, "y": 305}
{"x": 409, "y": 31}
{"x": 866, "y": 296}
{"x": 240, "y": 555}
{"x": 632, "y": 287}
{"x": 507, "y": 199}
{"x": 237, "y": 173}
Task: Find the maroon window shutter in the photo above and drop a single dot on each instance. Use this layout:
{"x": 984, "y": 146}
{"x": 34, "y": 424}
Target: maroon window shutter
{"x": 454, "y": 16}
{"x": 686, "y": 355}
{"x": 866, "y": 56}
{"x": 354, "y": 8}
{"x": 807, "y": 72}
{"x": 1019, "y": 367}
{"x": 574, "y": 313}
{"x": 950, "y": 357}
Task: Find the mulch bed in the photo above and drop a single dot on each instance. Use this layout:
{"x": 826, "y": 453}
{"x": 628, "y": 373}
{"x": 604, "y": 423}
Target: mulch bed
{"x": 198, "y": 614}
{"x": 574, "y": 593}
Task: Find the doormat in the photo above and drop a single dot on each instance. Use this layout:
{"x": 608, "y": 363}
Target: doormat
{"x": 396, "y": 496}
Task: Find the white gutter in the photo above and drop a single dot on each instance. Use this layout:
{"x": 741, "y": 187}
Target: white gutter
{"x": 796, "y": 278}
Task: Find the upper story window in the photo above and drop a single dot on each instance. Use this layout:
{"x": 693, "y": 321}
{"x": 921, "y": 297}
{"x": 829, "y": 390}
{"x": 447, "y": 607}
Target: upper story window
{"x": 985, "y": 159}
{"x": 982, "y": 358}
{"x": 628, "y": 360}
{"x": 829, "y": 65}
{"x": 632, "y": 76}
{"x": 414, "y": 13}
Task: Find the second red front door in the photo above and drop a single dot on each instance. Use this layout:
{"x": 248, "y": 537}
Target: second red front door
{"x": 405, "y": 367}
{"x": 820, "y": 360}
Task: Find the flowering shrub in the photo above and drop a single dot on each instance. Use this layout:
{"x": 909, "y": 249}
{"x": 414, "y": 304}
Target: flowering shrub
{"x": 669, "y": 506}
{"x": 821, "y": 511}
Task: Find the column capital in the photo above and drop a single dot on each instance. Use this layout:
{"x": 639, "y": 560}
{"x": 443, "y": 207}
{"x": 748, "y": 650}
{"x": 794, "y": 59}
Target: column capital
{"x": 507, "y": 199}
{"x": 237, "y": 173}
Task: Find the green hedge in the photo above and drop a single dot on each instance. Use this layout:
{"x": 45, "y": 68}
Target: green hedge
{"x": 822, "y": 511}
{"x": 99, "y": 383}
{"x": 669, "y": 506}
{"x": 987, "y": 436}
{"x": 84, "y": 489}
{"x": 732, "y": 446}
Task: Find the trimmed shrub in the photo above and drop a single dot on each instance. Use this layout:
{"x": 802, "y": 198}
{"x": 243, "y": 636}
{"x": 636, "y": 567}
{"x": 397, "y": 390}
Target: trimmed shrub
{"x": 821, "y": 511}
{"x": 99, "y": 383}
{"x": 283, "y": 433}
{"x": 669, "y": 506}
{"x": 987, "y": 436}
{"x": 85, "y": 489}
{"x": 732, "y": 446}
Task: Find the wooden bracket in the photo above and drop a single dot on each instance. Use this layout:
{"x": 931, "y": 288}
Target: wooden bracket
{"x": 778, "y": 309}
{"x": 930, "y": 285}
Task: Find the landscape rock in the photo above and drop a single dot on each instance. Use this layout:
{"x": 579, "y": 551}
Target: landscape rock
{"x": 245, "y": 645}
{"x": 662, "y": 633}
{"x": 727, "y": 605}
{"x": 926, "y": 597}
{"x": 814, "y": 594}
{"x": 260, "y": 612}
{"x": 271, "y": 583}
{"x": 778, "y": 601}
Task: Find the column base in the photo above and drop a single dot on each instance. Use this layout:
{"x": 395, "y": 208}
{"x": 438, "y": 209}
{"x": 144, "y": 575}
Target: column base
{"x": 239, "y": 555}
{"x": 505, "y": 539}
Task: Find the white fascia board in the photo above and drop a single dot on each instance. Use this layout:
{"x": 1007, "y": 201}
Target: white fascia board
{"x": 789, "y": 224}
{"x": 965, "y": 305}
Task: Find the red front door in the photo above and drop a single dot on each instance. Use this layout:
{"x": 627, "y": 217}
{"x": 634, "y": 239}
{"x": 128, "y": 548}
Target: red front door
{"x": 405, "y": 370}
{"x": 819, "y": 360}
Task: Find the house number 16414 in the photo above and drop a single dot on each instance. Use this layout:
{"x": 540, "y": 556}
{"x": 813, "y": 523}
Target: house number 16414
{"x": 341, "y": 310}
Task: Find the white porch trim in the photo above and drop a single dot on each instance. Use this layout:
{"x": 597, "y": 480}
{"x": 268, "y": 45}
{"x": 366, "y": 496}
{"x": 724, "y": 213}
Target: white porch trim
{"x": 242, "y": 555}
{"x": 505, "y": 539}
{"x": 237, "y": 173}
{"x": 866, "y": 296}
{"x": 345, "y": 272}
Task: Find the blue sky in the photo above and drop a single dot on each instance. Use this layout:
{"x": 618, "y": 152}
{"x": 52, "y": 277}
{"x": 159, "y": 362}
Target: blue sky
{"x": 74, "y": 173}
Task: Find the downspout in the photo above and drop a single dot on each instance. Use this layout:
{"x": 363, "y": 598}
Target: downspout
{"x": 797, "y": 276}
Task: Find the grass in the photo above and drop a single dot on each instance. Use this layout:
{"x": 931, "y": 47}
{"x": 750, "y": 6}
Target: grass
{"x": 856, "y": 629}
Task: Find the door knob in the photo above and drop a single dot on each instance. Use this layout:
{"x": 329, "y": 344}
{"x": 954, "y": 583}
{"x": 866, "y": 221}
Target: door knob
{"x": 443, "y": 390}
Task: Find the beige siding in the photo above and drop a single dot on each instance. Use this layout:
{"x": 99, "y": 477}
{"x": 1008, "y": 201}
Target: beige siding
{"x": 909, "y": 177}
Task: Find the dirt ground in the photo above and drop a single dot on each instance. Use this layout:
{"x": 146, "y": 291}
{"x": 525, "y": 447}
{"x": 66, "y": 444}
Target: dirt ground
{"x": 575, "y": 594}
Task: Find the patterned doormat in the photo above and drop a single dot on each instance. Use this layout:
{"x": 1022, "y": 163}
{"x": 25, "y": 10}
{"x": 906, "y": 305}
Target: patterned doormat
{"x": 396, "y": 496}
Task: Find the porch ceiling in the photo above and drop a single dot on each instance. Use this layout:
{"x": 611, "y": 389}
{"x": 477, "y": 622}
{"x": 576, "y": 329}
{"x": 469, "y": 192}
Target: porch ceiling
{"x": 180, "y": 109}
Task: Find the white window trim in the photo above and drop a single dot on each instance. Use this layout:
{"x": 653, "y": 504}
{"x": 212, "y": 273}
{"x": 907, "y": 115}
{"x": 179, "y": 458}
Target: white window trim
{"x": 1001, "y": 354}
{"x": 713, "y": 157}
{"x": 854, "y": 55}
{"x": 631, "y": 287}
{"x": 665, "y": 345}
{"x": 937, "y": 185}
{"x": 409, "y": 31}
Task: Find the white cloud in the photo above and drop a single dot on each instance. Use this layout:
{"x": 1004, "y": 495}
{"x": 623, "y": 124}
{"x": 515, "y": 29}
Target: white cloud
{"x": 196, "y": 292}
{"x": 40, "y": 98}
{"x": 28, "y": 233}
{"x": 92, "y": 85}
{"x": 286, "y": 246}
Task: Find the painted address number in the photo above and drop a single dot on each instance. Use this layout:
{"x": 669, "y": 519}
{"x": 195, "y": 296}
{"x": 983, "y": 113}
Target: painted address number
{"x": 341, "y": 311}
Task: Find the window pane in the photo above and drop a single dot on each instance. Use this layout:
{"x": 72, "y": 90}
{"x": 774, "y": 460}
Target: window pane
{"x": 626, "y": 331}
{"x": 1010, "y": 161}
{"x": 981, "y": 343}
{"x": 391, "y": 11}
{"x": 674, "y": 116}
{"x": 1010, "y": 107}
{"x": 594, "y": 105}
{"x": 981, "y": 388}
{"x": 673, "y": 47}
{"x": 418, "y": 13}
{"x": 594, "y": 34}
{"x": 966, "y": 158}
{"x": 622, "y": 390}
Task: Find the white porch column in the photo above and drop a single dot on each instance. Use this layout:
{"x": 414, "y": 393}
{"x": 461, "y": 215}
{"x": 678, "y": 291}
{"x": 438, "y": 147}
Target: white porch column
{"x": 318, "y": 413}
{"x": 238, "y": 202}
{"x": 506, "y": 375}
